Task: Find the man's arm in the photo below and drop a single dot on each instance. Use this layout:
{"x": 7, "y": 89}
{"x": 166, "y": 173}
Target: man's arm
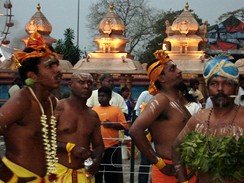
{"x": 137, "y": 131}
{"x": 97, "y": 149}
{"x": 120, "y": 124}
{"x": 12, "y": 112}
{"x": 176, "y": 156}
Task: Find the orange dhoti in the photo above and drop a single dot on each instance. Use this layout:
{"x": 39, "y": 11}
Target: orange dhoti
{"x": 159, "y": 177}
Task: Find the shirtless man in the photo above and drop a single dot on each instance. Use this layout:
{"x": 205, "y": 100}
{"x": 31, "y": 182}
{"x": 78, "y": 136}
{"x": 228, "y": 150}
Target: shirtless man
{"x": 26, "y": 136}
{"x": 78, "y": 128}
{"x": 215, "y": 133}
{"x": 165, "y": 116}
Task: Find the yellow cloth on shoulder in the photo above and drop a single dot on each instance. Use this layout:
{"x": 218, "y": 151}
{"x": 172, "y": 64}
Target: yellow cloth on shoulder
{"x": 22, "y": 172}
{"x": 65, "y": 175}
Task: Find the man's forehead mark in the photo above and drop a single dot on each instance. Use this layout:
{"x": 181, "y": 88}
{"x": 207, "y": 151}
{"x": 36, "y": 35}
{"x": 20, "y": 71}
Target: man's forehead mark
{"x": 52, "y": 60}
{"x": 82, "y": 76}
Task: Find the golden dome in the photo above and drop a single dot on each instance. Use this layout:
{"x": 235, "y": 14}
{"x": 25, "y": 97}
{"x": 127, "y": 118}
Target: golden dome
{"x": 111, "y": 23}
{"x": 185, "y": 23}
{"x": 38, "y": 22}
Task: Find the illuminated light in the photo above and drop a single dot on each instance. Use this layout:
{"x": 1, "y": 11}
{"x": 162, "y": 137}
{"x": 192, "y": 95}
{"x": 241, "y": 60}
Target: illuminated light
{"x": 164, "y": 47}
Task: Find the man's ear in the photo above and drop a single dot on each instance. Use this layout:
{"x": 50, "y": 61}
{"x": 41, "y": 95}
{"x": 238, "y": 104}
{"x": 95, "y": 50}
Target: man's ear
{"x": 161, "y": 78}
{"x": 31, "y": 75}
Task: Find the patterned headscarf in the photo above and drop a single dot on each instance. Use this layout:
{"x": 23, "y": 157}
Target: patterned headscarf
{"x": 36, "y": 42}
{"x": 220, "y": 66}
{"x": 155, "y": 69}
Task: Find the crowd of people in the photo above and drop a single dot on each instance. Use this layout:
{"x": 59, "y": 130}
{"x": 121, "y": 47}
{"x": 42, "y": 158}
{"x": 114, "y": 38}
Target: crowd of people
{"x": 76, "y": 139}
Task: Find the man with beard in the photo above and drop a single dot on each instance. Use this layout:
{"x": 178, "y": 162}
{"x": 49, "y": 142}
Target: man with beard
{"x": 212, "y": 141}
{"x": 164, "y": 116}
{"x": 78, "y": 128}
{"x": 26, "y": 119}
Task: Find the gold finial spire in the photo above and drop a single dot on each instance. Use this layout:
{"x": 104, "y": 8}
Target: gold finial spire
{"x": 111, "y": 6}
{"x": 187, "y": 6}
{"x": 38, "y": 7}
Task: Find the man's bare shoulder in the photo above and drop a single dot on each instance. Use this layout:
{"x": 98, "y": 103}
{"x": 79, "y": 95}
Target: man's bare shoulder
{"x": 200, "y": 117}
{"x": 21, "y": 99}
{"x": 161, "y": 99}
{"x": 60, "y": 105}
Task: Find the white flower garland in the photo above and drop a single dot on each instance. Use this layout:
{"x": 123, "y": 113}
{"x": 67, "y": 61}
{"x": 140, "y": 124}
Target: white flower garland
{"x": 50, "y": 146}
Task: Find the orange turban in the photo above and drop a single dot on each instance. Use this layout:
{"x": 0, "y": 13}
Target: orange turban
{"x": 36, "y": 42}
{"x": 156, "y": 69}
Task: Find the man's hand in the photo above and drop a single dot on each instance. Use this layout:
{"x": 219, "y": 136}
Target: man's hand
{"x": 107, "y": 124}
{"x": 25, "y": 179}
{"x": 168, "y": 170}
{"x": 81, "y": 152}
{"x": 93, "y": 169}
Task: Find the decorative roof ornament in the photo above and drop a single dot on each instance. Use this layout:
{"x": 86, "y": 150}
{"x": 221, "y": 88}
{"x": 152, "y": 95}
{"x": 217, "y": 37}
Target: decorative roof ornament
{"x": 187, "y": 6}
{"x": 39, "y": 23}
{"x": 185, "y": 23}
{"x": 115, "y": 22}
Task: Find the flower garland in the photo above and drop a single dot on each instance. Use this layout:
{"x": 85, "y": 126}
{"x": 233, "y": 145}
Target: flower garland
{"x": 50, "y": 146}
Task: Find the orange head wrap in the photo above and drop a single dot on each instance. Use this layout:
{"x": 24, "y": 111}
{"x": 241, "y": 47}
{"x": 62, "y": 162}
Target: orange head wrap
{"x": 36, "y": 42}
{"x": 156, "y": 68}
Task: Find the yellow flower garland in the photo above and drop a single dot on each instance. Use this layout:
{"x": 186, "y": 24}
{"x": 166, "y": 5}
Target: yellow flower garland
{"x": 50, "y": 145}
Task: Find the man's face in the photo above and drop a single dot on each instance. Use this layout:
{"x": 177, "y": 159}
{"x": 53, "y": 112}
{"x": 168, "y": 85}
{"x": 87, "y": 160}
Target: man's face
{"x": 221, "y": 91}
{"x": 172, "y": 74}
{"x": 49, "y": 72}
{"x": 108, "y": 82}
{"x": 82, "y": 87}
{"x": 103, "y": 99}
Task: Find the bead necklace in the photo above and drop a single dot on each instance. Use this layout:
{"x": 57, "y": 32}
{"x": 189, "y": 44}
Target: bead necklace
{"x": 50, "y": 145}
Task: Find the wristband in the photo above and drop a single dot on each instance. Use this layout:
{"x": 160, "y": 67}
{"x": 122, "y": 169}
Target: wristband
{"x": 69, "y": 147}
{"x": 185, "y": 181}
{"x": 160, "y": 164}
{"x": 13, "y": 179}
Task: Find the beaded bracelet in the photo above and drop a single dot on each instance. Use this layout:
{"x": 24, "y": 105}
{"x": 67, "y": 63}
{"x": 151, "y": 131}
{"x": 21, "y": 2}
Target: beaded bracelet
{"x": 69, "y": 147}
{"x": 13, "y": 179}
{"x": 160, "y": 164}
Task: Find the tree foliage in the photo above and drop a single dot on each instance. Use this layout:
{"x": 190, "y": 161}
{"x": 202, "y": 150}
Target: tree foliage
{"x": 137, "y": 16}
{"x": 67, "y": 48}
{"x": 239, "y": 13}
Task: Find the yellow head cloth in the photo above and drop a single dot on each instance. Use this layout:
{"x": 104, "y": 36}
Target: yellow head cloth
{"x": 36, "y": 42}
{"x": 156, "y": 69}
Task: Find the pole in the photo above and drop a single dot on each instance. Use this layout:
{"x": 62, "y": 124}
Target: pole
{"x": 78, "y": 22}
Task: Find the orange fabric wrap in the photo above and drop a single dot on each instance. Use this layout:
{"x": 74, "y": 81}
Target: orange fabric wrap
{"x": 159, "y": 177}
{"x": 36, "y": 42}
{"x": 156, "y": 69}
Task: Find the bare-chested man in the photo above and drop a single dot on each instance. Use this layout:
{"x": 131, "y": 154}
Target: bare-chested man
{"x": 165, "y": 116}
{"x": 212, "y": 142}
{"x": 27, "y": 117}
{"x": 78, "y": 128}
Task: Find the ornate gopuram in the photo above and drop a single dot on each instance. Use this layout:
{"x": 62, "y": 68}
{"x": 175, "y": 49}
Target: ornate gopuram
{"x": 185, "y": 44}
{"x": 110, "y": 56}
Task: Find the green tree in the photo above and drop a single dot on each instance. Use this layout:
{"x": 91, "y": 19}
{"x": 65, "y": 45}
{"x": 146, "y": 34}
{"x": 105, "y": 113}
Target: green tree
{"x": 239, "y": 13}
{"x": 66, "y": 47}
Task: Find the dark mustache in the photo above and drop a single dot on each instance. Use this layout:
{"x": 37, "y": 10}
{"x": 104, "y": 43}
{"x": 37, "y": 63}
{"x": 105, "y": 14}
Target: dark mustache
{"x": 55, "y": 77}
{"x": 222, "y": 95}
